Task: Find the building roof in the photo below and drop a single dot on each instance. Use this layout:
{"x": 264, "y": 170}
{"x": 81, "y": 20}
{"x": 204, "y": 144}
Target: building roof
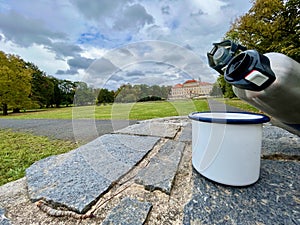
{"x": 178, "y": 86}
{"x": 190, "y": 81}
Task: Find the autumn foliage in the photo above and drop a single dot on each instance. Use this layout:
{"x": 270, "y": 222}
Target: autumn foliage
{"x": 270, "y": 26}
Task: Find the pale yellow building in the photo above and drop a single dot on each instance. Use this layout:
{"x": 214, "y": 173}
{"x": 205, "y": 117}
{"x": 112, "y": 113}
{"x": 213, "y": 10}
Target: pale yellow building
{"x": 190, "y": 89}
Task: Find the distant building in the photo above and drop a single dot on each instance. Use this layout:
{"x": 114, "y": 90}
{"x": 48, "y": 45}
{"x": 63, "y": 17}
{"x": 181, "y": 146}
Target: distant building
{"x": 190, "y": 89}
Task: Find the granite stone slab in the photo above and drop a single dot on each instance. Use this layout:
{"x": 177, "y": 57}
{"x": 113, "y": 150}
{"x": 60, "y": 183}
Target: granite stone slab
{"x": 78, "y": 178}
{"x": 157, "y": 129}
{"x": 161, "y": 170}
{"x": 279, "y": 141}
{"x": 129, "y": 212}
{"x": 13, "y": 193}
{"x": 186, "y": 134}
{"x": 3, "y": 219}
{"x": 274, "y": 199}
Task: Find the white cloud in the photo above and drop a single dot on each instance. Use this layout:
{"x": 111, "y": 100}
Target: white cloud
{"x": 148, "y": 61}
{"x": 93, "y": 52}
{"x": 25, "y": 31}
{"x": 66, "y": 36}
{"x": 37, "y": 54}
{"x": 99, "y": 9}
{"x": 133, "y": 18}
{"x": 212, "y": 7}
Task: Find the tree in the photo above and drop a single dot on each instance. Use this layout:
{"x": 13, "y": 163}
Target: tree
{"x": 84, "y": 95}
{"x": 57, "y": 96}
{"x": 144, "y": 91}
{"x": 225, "y": 88}
{"x": 15, "y": 87}
{"x": 105, "y": 96}
{"x": 216, "y": 90}
{"x": 126, "y": 93}
{"x": 42, "y": 87}
{"x": 129, "y": 93}
{"x": 67, "y": 91}
{"x": 270, "y": 26}
{"x": 290, "y": 26}
{"x": 165, "y": 91}
{"x": 156, "y": 90}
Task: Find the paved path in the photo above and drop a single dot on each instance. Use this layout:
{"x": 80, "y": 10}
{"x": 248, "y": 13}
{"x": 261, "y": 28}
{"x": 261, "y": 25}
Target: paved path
{"x": 81, "y": 130}
{"x": 143, "y": 174}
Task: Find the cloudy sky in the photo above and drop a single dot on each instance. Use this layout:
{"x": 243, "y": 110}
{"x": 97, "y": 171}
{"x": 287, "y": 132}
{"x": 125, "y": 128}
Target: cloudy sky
{"x": 111, "y": 42}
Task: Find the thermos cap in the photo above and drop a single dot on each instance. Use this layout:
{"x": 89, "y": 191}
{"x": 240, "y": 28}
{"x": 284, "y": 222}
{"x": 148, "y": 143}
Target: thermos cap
{"x": 250, "y": 70}
{"x": 222, "y": 53}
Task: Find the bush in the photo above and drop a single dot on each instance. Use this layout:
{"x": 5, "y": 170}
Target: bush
{"x": 150, "y": 98}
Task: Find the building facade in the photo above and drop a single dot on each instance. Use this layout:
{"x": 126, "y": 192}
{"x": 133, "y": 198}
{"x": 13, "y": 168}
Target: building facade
{"x": 190, "y": 89}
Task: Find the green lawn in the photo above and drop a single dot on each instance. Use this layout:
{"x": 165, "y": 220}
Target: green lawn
{"x": 241, "y": 104}
{"x": 132, "y": 111}
{"x": 135, "y": 111}
{"x": 19, "y": 150}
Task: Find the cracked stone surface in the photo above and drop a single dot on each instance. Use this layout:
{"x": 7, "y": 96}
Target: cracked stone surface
{"x": 157, "y": 129}
{"x": 162, "y": 168}
{"x": 77, "y": 179}
{"x": 274, "y": 199}
{"x": 129, "y": 212}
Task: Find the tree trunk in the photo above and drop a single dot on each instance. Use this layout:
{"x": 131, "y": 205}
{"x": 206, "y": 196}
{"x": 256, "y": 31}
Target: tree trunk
{"x": 5, "y": 113}
{"x": 16, "y": 110}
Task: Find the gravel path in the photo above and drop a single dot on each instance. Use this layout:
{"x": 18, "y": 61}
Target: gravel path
{"x": 77, "y": 130}
{"x": 87, "y": 130}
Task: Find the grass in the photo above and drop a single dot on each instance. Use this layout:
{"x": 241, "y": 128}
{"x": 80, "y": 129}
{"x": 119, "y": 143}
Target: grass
{"x": 49, "y": 113}
{"x": 235, "y": 102}
{"x": 19, "y": 150}
{"x": 134, "y": 111}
